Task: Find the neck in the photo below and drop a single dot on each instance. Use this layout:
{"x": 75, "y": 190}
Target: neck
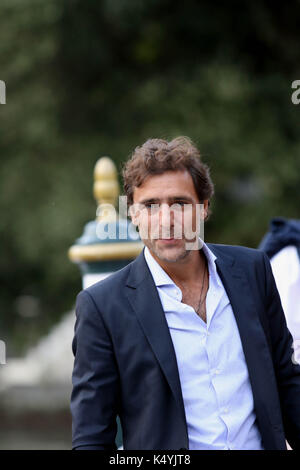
{"x": 186, "y": 270}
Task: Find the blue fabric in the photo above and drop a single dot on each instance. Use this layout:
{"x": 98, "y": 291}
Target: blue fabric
{"x": 282, "y": 232}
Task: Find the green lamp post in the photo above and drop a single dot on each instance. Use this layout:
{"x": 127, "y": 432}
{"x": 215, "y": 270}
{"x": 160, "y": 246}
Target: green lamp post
{"x": 109, "y": 242}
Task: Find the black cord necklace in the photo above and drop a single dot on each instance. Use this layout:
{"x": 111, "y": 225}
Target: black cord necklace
{"x": 201, "y": 314}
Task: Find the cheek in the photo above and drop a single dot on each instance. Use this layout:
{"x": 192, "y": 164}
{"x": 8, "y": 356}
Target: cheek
{"x": 188, "y": 217}
{"x": 148, "y": 225}
{"x": 143, "y": 221}
{"x": 190, "y": 225}
{"x": 178, "y": 218}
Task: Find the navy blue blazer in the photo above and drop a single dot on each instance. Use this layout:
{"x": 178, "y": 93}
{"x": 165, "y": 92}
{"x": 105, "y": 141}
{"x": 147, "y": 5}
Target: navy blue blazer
{"x": 125, "y": 362}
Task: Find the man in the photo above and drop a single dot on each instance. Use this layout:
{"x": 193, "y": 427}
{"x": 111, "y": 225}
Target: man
{"x": 188, "y": 344}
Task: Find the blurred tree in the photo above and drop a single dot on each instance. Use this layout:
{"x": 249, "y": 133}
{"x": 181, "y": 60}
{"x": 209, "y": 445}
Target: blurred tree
{"x": 87, "y": 78}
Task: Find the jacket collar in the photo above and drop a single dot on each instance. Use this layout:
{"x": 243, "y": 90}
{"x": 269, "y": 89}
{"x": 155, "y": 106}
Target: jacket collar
{"x": 139, "y": 268}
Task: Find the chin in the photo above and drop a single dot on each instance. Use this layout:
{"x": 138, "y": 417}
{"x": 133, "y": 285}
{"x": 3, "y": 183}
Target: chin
{"x": 171, "y": 254}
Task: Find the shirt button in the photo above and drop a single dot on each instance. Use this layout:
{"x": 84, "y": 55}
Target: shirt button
{"x": 217, "y": 371}
{"x": 225, "y": 410}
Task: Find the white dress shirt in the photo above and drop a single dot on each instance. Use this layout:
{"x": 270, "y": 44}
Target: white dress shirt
{"x": 214, "y": 379}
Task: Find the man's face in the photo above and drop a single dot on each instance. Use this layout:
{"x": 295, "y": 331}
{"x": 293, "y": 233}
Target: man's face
{"x": 167, "y": 211}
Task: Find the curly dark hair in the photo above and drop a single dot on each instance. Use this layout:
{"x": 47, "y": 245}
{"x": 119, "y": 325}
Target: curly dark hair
{"x": 156, "y": 156}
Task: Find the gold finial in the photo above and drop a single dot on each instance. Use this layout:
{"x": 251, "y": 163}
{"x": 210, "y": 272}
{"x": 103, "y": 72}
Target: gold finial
{"x": 89, "y": 248}
{"x": 106, "y": 189}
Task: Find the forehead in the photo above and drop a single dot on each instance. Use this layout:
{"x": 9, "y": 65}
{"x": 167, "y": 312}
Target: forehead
{"x": 166, "y": 185}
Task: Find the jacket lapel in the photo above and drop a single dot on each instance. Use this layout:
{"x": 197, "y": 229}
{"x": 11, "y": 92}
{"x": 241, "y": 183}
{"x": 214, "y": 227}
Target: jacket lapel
{"x": 144, "y": 299}
{"x": 255, "y": 346}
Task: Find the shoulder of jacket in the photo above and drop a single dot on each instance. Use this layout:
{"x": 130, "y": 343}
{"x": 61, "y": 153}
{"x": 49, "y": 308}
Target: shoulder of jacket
{"x": 240, "y": 251}
{"x": 110, "y": 283}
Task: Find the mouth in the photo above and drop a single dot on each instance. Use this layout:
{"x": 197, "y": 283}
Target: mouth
{"x": 169, "y": 240}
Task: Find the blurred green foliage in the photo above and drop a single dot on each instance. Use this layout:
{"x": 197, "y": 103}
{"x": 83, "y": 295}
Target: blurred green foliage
{"x": 87, "y": 78}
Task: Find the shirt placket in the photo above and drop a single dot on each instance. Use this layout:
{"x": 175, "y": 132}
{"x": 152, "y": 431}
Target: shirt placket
{"x": 213, "y": 302}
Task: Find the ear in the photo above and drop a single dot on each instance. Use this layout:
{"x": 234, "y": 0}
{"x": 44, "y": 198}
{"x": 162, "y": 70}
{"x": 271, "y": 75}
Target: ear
{"x": 205, "y": 208}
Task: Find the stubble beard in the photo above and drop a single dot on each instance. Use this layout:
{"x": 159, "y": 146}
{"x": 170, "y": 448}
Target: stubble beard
{"x": 167, "y": 254}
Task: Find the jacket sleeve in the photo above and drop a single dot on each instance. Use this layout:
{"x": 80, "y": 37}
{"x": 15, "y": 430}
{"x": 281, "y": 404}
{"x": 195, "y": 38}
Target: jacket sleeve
{"x": 95, "y": 394}
{"x": 286, "y": 369}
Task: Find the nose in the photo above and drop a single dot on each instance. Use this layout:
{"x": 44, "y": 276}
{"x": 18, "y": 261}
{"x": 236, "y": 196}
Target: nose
{"x": 165, "y": 219}
{"x": 164, "y": 213}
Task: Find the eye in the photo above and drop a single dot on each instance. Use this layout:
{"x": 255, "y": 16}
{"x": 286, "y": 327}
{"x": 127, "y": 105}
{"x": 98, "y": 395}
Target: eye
{"x": 151, "y": 207}
{"x": 181, "y": 204}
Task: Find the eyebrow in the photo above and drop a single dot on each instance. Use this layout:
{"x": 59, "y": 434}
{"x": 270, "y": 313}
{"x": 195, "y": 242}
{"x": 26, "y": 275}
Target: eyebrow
{"x": 169, "y": 199}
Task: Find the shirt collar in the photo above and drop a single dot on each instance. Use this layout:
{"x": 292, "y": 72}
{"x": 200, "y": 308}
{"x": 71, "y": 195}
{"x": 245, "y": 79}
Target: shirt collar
{"x": 161, "y": 278}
